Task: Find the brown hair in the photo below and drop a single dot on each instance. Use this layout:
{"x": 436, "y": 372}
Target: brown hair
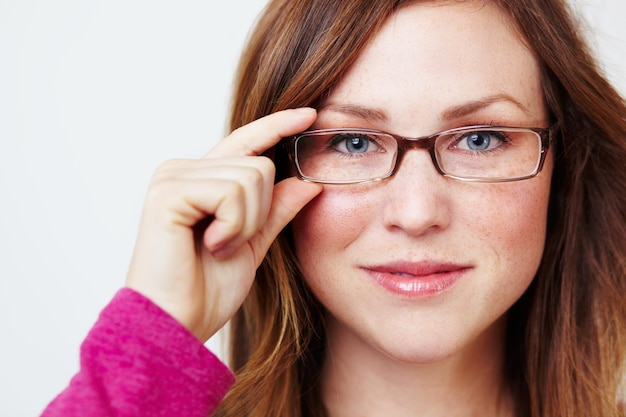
{"x": 566, "y": 336}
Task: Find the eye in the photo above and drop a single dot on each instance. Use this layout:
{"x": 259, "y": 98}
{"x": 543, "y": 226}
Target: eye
{"x": 354, "y": 143}
{"x": 480, "y": 140}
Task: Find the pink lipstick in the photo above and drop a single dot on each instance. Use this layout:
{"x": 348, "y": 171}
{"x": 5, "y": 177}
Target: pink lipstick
{"x": 422, "y": 279}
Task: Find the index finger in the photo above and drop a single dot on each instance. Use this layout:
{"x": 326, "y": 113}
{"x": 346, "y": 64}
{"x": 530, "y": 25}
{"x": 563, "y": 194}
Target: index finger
{"x": 258, "y": 136}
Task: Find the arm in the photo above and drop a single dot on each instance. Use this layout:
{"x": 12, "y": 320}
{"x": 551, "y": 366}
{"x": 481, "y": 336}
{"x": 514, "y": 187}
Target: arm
{"x": 137, "y": 360}
{"x": 206, "y": 226}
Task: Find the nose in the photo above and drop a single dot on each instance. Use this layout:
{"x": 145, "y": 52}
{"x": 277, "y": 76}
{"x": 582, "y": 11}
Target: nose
{"x": 417, "y": 197}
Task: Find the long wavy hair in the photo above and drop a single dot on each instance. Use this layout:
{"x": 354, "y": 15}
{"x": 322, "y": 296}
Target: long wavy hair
{"x": 566, "y": 338}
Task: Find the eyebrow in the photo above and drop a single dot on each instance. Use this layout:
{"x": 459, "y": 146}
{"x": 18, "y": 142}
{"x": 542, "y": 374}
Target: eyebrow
{"x": 466, "y": 109}
{"x": 361, "y": 112}
{"x": 452, "y": 113}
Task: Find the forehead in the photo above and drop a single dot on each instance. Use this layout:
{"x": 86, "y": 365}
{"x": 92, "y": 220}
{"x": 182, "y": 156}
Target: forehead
{"x": 429, "y": 57}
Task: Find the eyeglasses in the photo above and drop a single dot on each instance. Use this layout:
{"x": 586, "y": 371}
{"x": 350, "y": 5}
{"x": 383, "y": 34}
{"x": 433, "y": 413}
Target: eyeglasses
{"x": 474, "y": 153}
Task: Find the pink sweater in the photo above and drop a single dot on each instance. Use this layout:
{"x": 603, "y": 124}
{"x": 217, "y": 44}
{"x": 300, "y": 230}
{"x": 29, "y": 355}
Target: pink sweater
{"x": 138, "y": 361}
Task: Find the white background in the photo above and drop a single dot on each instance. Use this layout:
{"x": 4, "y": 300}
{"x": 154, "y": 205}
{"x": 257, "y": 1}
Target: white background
{"x": 93, "y": 95}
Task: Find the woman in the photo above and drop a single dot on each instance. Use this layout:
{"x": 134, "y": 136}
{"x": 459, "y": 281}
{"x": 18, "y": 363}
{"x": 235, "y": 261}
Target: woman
{"x": 457, "y": 246}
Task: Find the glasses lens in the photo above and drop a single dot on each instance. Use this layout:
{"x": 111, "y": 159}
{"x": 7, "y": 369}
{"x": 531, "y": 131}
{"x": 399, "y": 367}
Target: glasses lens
{"x": 502, "y": 154}
{"x": 343, "y": 156}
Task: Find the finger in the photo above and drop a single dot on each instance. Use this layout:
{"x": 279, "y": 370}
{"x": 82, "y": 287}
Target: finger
{"x": 260, "y": 135}
{"x": 206, "y": 168}
{"x": 257, "y": 185}
{"x": 289, "y": 197}
{"x": 254, "y": 174}
{"x": 227, "y": 208}
{"x": 189, "y": 203}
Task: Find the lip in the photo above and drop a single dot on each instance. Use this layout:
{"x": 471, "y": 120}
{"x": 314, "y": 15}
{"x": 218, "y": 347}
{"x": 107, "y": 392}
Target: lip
{"x": 417, "y": 280}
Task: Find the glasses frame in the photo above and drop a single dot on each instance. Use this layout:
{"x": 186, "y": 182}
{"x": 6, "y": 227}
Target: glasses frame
{"x": 546, "y": 136}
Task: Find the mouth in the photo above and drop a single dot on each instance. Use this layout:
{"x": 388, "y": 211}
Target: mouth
{"x": 417, "y": 280}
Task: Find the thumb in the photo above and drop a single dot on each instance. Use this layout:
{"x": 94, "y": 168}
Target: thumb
{"x": 288, "y": 198}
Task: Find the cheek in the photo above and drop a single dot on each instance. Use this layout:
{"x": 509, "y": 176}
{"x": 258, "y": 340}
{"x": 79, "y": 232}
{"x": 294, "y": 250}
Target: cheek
{"x": 500, "y": 226}
{"x": 511, "y": 218}
{"x": 330, "y": 223}
{"x": 512, "y": 221}
{"x": 515, "y": 234}
{"x": 330, "y": 217}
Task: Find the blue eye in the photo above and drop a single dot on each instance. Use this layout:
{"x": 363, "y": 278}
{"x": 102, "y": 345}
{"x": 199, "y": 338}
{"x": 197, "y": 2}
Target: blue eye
{"x": 478, "y": 141}
{"x": 481, "y": 140}
{"x": 352, "y": 143}
{"x": 356, "y": 145}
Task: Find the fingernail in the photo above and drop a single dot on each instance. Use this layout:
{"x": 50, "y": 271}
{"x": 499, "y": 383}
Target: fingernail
{"x": 306, "y": 110}
{"x": 223, "y": 252}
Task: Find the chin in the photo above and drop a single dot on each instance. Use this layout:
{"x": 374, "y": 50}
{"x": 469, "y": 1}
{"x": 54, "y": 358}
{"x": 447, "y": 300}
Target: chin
{"x": 419, "y": 353}
{"x": 454, "y": 343}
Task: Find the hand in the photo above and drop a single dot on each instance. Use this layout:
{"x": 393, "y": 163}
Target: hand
{"x": 208, "y": 223}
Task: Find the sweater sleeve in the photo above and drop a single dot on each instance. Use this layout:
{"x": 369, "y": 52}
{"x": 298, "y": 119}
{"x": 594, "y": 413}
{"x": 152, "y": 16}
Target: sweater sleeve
{"x": 139, "y": 361}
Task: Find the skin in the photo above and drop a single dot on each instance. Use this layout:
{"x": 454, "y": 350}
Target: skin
{"x": 207, "y": 223}
{"x": 442, "y": 354}
{"x": 200, "y": 275}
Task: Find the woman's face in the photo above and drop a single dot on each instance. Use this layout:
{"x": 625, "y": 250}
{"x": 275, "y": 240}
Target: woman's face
{"x": 421, "y": 267}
